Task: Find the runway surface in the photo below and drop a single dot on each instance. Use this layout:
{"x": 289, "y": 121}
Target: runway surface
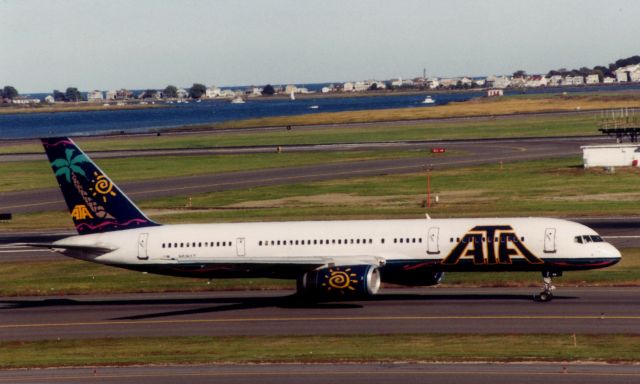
{"x": 548, "y": 373}
{"x": 470, "y": 153}
{"x": 427, "y": 310}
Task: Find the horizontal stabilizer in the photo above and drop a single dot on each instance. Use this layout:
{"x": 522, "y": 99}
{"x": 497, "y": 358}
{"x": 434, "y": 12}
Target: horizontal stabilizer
{"x": 72, "y": 247}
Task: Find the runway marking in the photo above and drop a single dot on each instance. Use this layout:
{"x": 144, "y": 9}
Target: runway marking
{"x": 299, "y": 319}
{"x": 323, "y": 373}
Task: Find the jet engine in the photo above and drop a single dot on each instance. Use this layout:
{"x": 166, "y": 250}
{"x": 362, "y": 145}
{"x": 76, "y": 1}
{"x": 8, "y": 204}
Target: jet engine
{"x": 340, "y": 282}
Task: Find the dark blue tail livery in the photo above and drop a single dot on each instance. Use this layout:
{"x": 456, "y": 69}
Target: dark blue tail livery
{"x": 95, "y": 203}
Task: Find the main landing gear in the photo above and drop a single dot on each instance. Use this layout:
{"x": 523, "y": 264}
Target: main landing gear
{"x": 547, "y": 288}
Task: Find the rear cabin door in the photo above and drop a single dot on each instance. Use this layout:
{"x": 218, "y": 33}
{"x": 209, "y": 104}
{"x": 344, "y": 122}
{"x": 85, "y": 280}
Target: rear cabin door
{"x": 240, "y": 246}
{"x": 432, "y": 241}
{"x": 550, "y": 240}
{"x": 143, "y": 239}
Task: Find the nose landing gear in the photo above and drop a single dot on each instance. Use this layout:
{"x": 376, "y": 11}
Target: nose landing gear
{"x": 547, "y": 288}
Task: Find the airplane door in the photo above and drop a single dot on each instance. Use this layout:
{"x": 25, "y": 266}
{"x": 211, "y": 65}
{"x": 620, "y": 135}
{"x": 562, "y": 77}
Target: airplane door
{"x": 240, "y": 249}
{"x": 432, "y": 241}
{"x": 142, "y": 246}
{"x": 550, "y": 240}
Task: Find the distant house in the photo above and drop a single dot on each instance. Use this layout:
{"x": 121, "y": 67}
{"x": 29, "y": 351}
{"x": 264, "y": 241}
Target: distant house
{"x": 555, "y": 81}
{"x": 609, "y": 80}
{"x": 123, "y": 94}
{"x": 291, "y": 88}
{"x": 578, "y": 80}
{"x": 49, "y": 99}
{"x": 592, "y": 79}
{"x": 621, "y": 75}
{"x": 397, "y": 82}
{"x": 518, "y": 82}
{"x": 182, "y": 93}
{"x": 480, "y": 82}
{"x": 326, "y": 89}
{"x": 433, "y": 83}
{"x": 212, "y": 92}
{"x": 446, "y": 82}
{"x": 633, "y": 72}
{"x": 347, "y": 87}
{"x": 360, "y": 86}
{"x": 501, "y": 82}
{"x": 466, "y": 81}
{"x": 95, "y": 96}
{"x": 567, "y": 80}
{"x": 110, "y": 95}
{"x": 536, "y": 81}
{"x": 23, "y": 100}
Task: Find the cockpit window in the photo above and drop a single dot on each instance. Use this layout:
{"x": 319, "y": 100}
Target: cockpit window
{"x": 588, "y": 239}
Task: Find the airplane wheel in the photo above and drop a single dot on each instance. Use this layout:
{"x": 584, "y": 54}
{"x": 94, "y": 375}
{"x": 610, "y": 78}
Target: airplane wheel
{"x": 545, "y": 296}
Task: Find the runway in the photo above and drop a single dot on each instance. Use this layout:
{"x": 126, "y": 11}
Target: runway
{"x": 468, "y": 153}
{"x": 426, "y": 310}
{"x": 371, "y": 373}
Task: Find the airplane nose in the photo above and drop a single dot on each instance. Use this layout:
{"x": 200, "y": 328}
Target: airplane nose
{"x": 608, "y": 251}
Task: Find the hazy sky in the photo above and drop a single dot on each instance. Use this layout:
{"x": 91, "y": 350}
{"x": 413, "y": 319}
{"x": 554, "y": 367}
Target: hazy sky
{"x": 151, "y": 43}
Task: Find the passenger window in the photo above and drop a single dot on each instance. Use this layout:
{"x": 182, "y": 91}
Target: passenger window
{"x": 162, "y": 245}
{"x": 381, "y": 241}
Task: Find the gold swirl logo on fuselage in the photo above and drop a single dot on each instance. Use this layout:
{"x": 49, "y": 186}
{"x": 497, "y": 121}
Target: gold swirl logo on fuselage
{"x": 102, "y": 186}
{"x": 340, "y": 280}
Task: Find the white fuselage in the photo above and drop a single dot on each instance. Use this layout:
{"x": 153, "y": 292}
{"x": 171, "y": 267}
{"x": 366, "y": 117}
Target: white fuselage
{"x": 286, "y": 249}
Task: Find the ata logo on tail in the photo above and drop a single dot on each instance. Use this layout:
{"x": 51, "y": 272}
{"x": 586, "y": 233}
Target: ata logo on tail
{"x": 80, "y": 212}
{"x": 490, "y": 245}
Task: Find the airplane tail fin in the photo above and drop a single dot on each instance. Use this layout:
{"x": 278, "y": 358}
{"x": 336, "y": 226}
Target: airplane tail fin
{"x": 95, "y": 203}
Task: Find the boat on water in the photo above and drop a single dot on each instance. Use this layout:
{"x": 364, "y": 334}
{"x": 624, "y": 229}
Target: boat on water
{"x": 428, "y": 100}
{"x": 292, "y": 96}
{"x": 314, "y": 107}
{"x": 237, "y": 100}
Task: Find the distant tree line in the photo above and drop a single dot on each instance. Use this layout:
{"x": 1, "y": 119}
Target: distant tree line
{"x": 8, "y": 92}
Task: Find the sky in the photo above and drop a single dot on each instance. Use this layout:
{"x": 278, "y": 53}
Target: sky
{"x": 111, "y": 44}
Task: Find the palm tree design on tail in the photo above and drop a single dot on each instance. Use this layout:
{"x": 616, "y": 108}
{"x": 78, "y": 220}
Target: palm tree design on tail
{"x": 69, "y": 168}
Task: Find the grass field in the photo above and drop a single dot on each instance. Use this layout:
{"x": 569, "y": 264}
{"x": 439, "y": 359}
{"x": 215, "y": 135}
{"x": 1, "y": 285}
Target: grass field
{"x": 349, "y": 348}
{"x": 35, "y": 174}
{"x": 474, "y": 107}
{"x": 70, "y": 276}
{"x": 556, "y": 187}
{"x": 521, "y": 126}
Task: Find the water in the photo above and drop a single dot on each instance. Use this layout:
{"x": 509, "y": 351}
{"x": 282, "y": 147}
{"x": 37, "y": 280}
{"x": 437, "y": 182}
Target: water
{"x": 208, "y": 111}
{"x": 177, "y": 115}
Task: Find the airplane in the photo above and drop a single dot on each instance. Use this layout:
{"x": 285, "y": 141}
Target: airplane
{"x": 330, "y": 260}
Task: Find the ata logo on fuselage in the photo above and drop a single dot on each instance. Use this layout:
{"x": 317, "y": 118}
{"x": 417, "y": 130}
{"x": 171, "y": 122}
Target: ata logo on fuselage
{"x": 490, "y": 245}
{"x": 80, "y": 212}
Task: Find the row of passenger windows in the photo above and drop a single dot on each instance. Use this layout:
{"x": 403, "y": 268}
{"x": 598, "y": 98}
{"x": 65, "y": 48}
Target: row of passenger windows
{"x": 199, "y": 244}
{"x": 265, "y": 243}
{"x": 588, "y": 239}
{"x": 484, "y": 240}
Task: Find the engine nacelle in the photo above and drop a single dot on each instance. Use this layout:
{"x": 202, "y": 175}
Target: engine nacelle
{"x": 343, "y": 282}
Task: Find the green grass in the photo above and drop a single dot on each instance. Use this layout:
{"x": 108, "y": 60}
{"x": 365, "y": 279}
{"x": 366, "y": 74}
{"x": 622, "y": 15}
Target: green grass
{"x": 70, "y": 276}
{"x": 522, "y": 126}
{"x": 556, "y": 187}
{"x": 34, "y": 174}
{"x": 350, "y": 348}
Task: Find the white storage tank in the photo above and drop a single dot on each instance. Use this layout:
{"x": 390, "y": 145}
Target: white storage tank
{"x": 614, "y": 155}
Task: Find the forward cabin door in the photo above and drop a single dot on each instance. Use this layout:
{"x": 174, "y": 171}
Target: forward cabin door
{"x": 550, "y": 240}
{"x": 143, "y": 239}
{"x": 432, "y": 241}
{"x": 240, "y": 246}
